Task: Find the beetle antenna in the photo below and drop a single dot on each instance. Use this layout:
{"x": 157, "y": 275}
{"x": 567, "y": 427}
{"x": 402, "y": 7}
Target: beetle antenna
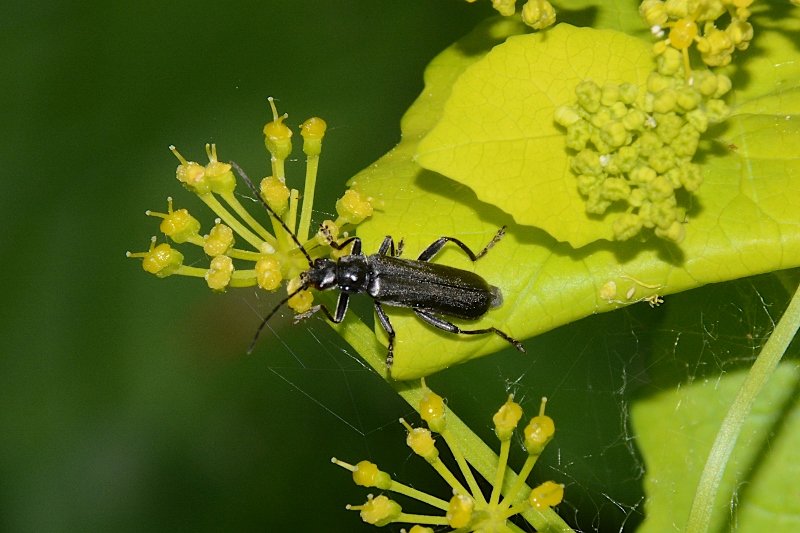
{"x": 276, "y": 217}
{"x": 271, "y": 313}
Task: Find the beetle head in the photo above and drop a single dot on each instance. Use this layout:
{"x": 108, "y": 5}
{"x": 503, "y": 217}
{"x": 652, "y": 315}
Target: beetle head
{"x": 321, "y": 275}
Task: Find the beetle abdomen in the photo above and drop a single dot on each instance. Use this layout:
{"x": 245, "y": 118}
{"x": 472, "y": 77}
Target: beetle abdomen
{"x": 439, "y": 288}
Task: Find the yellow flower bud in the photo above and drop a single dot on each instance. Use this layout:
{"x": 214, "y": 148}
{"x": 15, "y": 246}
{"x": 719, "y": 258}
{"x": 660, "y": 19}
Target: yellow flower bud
{"x": 219, "y": 273}
{"x": 717, "y": 110}
{"x": 614, "y": 133}
{"x": 367, "y": 474}
{"x": 507, "y": 418}
{"x": 665, "y": 101}
{"x": 353, "y": 207}
{"x": 275, "y": 193}
{"x": 634, "y": 119}
{"x": 278, "y": 136}
{"x": 220, "y": 178}
{"x": 378, "y": 511}
{"x": 300, "y": 302}
{"x": 313, "y": 130}
{"x": 669, "y": 62}
{"x": 626, "y": 226}
{"x": 191, "y": 174}
{"x": 161, "y": 260}
{"x": 723, "y": 85}
{"x": 588, "y": 94}
{"x": 676, "y": 232}
{"x": 504, "y": 7}
{"x": 539, "y": 432}
{"x": 653, "y": 13}
{"x": 662, "y": 159}
{"x": 538, "y": 14}
{"x": 688, "y": 98}
{"x": 431, "y": 410}
{"x": 566, "y": 116}
{"x": 706, "y": 82}
{"x": 741, "y": 33}
{"x": 268, "y": 273}
{"x": 459, "y": 513}
{"x": 682, "y": 34}
{"x": 657, "y": 82}
{"x": 548, "y": 494}
{"x": 715, "y": 48}
{"x": 421, "y": 441}
{"x": 178, "y": 225}
{"x": 219, "y": 240}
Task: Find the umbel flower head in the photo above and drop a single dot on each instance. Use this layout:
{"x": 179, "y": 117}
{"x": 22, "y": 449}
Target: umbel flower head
{"x": 538, "y": 14}
{"x": 681, "y": 17}
{"x": 467, "y": 509}
{"x": 241, "y": 251}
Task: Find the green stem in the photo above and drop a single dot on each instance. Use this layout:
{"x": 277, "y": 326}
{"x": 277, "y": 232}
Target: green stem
{"x": 312, "y": 164}
{"x": 248, "y": 218}
{"x": 421, "y": 519}
{"x": 424, "y": 497}
{"x": 523, "y": 475}
{"x": 448, "y": 476}
{"x": 505, "y": 446}
{"x": 466, "y": 471}
{"x": 246, "y": 255}
{"x": 762, "y": 369}
{"x": 211, "y": 201}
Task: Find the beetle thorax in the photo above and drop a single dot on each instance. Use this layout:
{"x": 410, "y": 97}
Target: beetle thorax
{"x": 352, "y": 274}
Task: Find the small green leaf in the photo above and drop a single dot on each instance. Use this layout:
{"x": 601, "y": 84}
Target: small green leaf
{"x": 498, "y": 136}
{"x": 675, "y": 431}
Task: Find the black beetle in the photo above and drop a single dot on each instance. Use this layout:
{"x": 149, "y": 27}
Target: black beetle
{"x": 430, "y": 289}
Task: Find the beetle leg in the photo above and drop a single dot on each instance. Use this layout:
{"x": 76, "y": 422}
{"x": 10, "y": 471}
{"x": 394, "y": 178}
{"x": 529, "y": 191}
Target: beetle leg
{"x": 342, "y": 245}
{"x": 384, "y": 320}
{"x": 429, "y": 252}
{"x": 341, "y": 310}
{"x": 387, "y": 246}
{"x": 443, "y": 324}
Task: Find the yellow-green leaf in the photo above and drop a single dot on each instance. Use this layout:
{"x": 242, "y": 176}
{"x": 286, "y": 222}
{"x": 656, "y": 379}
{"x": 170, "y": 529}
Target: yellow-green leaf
{"x": 498, "y": 137}
{"x": 744, "y": 220}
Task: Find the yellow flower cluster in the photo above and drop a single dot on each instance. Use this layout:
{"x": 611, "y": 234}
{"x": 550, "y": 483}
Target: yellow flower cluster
{"x": 636, "y": 155}
{"x": 468, "y": 509}
{"x": 269, "y": 257}
{"x": 538, "y": 14}
{"x": 681, "y": 17}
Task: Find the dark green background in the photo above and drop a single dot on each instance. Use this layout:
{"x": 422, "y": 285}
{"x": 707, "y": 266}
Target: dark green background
{"x": 127, "y": 403}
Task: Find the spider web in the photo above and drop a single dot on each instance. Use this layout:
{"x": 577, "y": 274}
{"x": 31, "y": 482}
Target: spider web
{"x": 590, "y": 371}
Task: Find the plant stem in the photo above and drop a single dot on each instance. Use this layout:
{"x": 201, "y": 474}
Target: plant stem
{"x": 762, "y": 369}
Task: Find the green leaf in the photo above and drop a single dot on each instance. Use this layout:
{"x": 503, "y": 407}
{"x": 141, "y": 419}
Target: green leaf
{"x": 676, "y": 430}
{"x": 497, "y": 135}
{"x": 743, "y": 220}
{"x": 420, "y": 206}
